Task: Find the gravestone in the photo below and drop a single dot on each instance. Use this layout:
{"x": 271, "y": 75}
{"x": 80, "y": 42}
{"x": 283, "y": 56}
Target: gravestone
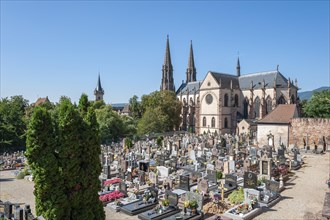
{"x": 153, "y": 178}
{"x": 225, "y": 167}
{"x": 18, "y": 214}
{"x": 172, "y": 198}
{"x": 163, "y": 171}
{"x": 203, "y": 186}
{"x": 272, "y": 186}
{"x": 250, "y": 195}
{"x": 184, "y": 183}
{"x": 190, "y": 196}
{"x": 195, "y": 175}
{"x": 144, "y": 166}
{"x": 123, "y": 188}
{"x": 231, "y": 166}
{"x": 246, "y": 164}
{"x": 218, "y": 165}
{"x": 212, "y": 176}
{"x": 142, "y": 177}
{"x": 124, "y": 165}
{"x": 106, "y": 171}
{"x": 250, "y": 180}
{"x": 265, "y": 167}
{"x": 8, "y": 209}
{"x": 231, "y": 180}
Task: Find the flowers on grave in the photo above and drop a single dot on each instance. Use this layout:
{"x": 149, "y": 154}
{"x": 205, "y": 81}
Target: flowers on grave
{"x": 165, "y": 204}
{"x": 111, "y": 196}
{"x": 193, "y": 205}
{"x": 186, "y": 204}
{"x": 216, "y": 198}
{"x": 111, "y": 181}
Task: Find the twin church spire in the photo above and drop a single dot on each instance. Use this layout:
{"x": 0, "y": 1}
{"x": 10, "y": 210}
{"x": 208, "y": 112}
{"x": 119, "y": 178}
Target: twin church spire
{"x": 167, "y": 70}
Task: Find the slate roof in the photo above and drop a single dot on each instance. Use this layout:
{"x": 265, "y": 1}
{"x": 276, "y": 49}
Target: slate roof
{"x": 224, "y": 80}
{"x": 191, "y": 87}
{"x": 282, "y": 114}
{"x": 118, "y": 106}
{"x": 257, "y": 78}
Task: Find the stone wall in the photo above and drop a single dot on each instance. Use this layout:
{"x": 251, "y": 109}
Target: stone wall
{"x": 310, "y": 129}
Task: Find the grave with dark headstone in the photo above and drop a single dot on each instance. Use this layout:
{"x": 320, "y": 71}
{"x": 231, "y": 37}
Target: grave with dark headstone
{"x": 184, "y": 183}
{"x": 270, "y": 194}
{"x": 250, "y": 180}
{"x": 230, "y": 183}
{"x": 149, "y": 201}
{"x": 166, "y": 211}
{"x": 142, "y": 177}
{"x": 212, "y": 176}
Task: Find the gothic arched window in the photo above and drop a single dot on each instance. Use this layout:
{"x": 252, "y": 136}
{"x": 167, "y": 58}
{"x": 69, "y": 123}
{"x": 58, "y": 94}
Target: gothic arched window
{"x": 292, "y": 99}
{"x": 281, "y": 100}
{"x": 257, "y": 107}
{"x": 204, "y": 122}
{"x": 213, "y": 122}
{"x": 226, "y": 123}
{"x": 226, "y": 100}
{"x": 236, "y": 100}
{"x": 269, "y": 104}
{"x": 245, "y": 107}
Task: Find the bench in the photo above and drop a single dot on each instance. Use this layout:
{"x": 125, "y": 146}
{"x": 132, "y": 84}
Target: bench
{"x": 326, "y": 206}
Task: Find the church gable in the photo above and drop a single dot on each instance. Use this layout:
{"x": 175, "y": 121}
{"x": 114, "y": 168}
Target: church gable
{"x": 209, "y": 82}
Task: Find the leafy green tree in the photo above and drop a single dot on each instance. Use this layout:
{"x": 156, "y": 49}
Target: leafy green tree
{"x": 63, "y": 151}
{"x": 111, "y": 125}
{"x": 12, "y": 123}
{"x": 98, "y": 104}
{"x": 129, "y": 126}
{"x": 152, "y": 121}
{"x": 43, "y": 159}
{"x": 319, "y": 105}
{"x": 83, "y": 104}
{"x": 161, "y": 112}
{"x": 135, "y": 107}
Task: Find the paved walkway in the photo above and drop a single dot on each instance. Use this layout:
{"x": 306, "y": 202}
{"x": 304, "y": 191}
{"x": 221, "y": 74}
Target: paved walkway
{"x": 304, "y": 196}
{"x": 302, "y": 199}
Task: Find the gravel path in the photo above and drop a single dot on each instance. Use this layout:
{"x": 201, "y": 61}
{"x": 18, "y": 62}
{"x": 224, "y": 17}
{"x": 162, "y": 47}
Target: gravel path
{"x": 304, "y": 196}
{"x": 302, "y": 199}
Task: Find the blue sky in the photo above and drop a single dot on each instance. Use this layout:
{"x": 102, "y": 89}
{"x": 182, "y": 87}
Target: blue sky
{"x": 56, "y": 48}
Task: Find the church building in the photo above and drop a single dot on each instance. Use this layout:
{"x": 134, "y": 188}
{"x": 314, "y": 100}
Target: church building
{"x": 221, "y": 100}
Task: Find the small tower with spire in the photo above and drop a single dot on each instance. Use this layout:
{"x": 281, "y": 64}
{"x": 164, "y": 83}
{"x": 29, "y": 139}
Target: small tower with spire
{"x": 238, "y": 68}
{"x": 167, "y": 70}
{"x": 191, "y": 70}
{"x": 98, "y": 92}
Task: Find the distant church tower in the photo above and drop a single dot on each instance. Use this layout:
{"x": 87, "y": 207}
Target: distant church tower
{"x": 191, "y": 70}
{"x": 167, "y": 70}
{"x": 98, "y": 92}
{"x": 238, "y": 68}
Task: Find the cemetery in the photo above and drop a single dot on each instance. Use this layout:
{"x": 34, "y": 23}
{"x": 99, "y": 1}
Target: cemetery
{"x": 189, "y": 176}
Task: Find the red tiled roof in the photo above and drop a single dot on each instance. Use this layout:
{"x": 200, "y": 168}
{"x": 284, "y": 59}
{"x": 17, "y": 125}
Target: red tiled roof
{"x": 282, "y": 114}
{"x": 41, "y": 101}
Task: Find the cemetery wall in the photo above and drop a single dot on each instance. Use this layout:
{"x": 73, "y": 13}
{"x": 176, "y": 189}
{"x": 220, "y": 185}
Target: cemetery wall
{"x": 314, "y": 128}
{"x": 280, "y": 132}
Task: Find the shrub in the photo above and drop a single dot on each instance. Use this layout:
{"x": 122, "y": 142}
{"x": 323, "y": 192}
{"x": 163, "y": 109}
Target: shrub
{"x": 219, "y": 175}
{"x": 236, "y": 197}
{"x": 21, "y": 175}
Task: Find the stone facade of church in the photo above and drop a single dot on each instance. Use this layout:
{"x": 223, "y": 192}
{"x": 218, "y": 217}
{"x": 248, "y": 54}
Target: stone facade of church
{"x": 221, "y": 100}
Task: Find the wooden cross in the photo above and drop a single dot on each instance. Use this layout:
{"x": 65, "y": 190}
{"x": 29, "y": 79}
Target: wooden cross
{"x": 222, "y": 192}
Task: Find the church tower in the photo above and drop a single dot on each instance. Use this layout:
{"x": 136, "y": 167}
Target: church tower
{"x": 191, "y": 70}
{"x": 98, "y": 92}
{"x": 238, "y": 68}
{"x": 167, "y": 70}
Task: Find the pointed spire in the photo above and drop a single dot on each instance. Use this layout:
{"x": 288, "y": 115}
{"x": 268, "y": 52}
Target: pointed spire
{"x": 167, "y": 60}
{"x": 99, "y": 87}
{"x": 238, "y": 68}
{"x": 191, "y": 70}
{"x": 98, "y": 92}
{"x": 167, "y": 70}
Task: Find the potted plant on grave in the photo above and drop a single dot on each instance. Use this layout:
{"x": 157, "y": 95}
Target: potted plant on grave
{"x": 185, "y": 207}
{"x": 165, "y": 204}
{"x": 193, "y": 205}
